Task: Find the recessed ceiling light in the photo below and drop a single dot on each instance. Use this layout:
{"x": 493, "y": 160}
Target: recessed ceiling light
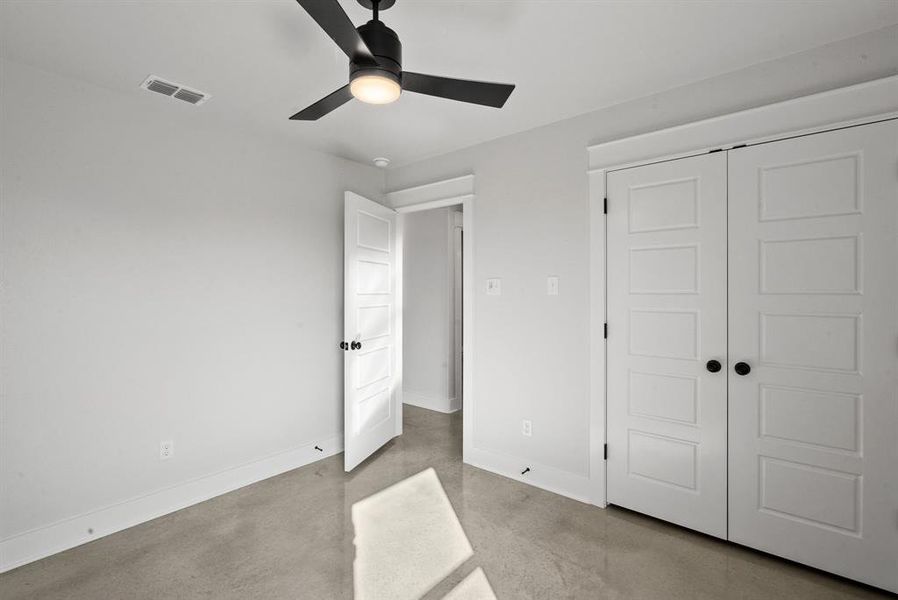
{"x": 381, "y": 162}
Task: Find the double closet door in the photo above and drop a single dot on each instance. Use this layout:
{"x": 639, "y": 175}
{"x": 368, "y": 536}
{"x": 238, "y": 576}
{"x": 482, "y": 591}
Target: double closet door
{"x": 753, "y": 346}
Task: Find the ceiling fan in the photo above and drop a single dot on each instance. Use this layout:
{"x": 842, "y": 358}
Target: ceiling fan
{"x": 375, "y": 65}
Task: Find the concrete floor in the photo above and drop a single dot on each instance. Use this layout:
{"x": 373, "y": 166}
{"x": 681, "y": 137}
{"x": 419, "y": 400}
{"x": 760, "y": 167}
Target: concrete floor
{"x": 292, "y": 537}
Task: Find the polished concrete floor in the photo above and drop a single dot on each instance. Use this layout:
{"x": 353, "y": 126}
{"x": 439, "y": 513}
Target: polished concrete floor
{"x": 292, "y": 537}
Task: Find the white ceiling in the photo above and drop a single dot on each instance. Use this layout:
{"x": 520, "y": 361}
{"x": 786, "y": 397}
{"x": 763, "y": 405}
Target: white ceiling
{"x": 264, "y": 60}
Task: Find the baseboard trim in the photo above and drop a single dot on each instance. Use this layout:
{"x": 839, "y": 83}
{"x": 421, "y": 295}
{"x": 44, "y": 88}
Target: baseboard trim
{"x": 563, "y": 483}
{"x": 443, "y": 405}
{"x": 41, "y": 542}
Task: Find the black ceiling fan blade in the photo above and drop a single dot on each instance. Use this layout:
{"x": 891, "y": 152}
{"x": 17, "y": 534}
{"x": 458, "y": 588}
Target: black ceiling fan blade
{"x": 332, "y": 101}
{"x": 475, "y": 92}
{"x": 333, "y": 20}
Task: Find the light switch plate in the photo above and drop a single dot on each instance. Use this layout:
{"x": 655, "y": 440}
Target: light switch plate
{"x": 552, "y": 286}
{"x": 493, "y": 287}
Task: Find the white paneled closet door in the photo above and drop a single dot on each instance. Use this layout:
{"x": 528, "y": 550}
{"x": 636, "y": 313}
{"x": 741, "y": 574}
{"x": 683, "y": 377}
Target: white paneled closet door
{"x": 813, "y": 304}
{"x": 666, "y": 320}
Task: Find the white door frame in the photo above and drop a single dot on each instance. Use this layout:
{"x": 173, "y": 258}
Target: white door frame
{"x": 860, "y": 104}
{"x": 442, "y": 194}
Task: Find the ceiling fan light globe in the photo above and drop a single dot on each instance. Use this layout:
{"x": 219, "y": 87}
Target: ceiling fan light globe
{"x": 375, "y": 89}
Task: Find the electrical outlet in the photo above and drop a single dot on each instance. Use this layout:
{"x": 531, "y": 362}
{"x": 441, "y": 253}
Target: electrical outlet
{"x": 166, "y": 449}
{"x": 527, "y": 428}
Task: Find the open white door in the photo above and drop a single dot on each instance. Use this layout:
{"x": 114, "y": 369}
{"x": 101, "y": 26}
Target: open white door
{"x": 372, "y": 403}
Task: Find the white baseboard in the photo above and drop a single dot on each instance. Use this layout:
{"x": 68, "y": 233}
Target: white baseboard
{"x": 33, "y": 545}
{"x": 443, "y": 405}
{"x": 570, "y": 485}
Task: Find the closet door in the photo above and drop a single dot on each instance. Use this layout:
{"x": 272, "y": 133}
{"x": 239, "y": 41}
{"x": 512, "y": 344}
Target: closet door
{"x": 666, "y": 321}
{"x": 813, "y": 380}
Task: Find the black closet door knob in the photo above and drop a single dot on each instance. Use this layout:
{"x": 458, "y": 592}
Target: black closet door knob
{"x": 742, "y": 368}
{"x": 343, "y": 346}
{"x": 713, "y": 366}
{"x": 356, "y": 345}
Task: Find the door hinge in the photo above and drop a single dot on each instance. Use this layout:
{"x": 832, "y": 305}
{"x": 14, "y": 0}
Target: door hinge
{"x": 606, "y": 331}
{"x": 606, "y": 451}
{"x": 715, "y": 150}
{"x": 738, "y": 146}
{"x": 605, "y": 207}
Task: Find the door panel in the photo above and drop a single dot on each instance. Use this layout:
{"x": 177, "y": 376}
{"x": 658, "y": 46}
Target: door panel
{"x": 813, "y": 226}
{"x": 667, "y": 317}
{"x": 371, "y": 404}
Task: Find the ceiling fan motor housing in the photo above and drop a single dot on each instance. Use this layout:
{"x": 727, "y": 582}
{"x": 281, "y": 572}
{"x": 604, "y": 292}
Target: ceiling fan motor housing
{"x": 385, "y": 46}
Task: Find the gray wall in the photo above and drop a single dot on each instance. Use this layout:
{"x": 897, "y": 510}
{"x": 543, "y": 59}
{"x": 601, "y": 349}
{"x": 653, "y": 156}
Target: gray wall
{"x": 531, "y": 221}
{"x": 162, "y": 279}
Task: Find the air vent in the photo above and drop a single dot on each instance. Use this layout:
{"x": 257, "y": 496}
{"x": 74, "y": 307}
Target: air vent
{"x": 188, "y": 96}
{"x": 174, "y": 90}
{"x": 162, "y": 87}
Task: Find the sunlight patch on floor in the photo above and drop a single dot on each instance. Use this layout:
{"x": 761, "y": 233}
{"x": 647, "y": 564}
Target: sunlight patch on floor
{"x": 473, "y": 587}
{"x": 407, "y": 539}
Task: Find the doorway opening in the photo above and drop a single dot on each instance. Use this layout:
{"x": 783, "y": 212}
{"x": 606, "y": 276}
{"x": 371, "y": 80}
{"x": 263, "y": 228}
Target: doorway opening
{"x": 432, "y": 314}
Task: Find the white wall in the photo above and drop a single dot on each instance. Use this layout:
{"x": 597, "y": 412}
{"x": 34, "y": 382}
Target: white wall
{"x": 531, "y": 221}
{"x": 428, "y": 342}
{"x": 164, "y": 277}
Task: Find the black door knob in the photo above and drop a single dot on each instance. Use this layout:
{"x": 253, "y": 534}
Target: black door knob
{"x": 713, "y": 366}
{"x": 344, "y": 346}
{"x": 356, "y": 345}
{"x": 742, "y": 368}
